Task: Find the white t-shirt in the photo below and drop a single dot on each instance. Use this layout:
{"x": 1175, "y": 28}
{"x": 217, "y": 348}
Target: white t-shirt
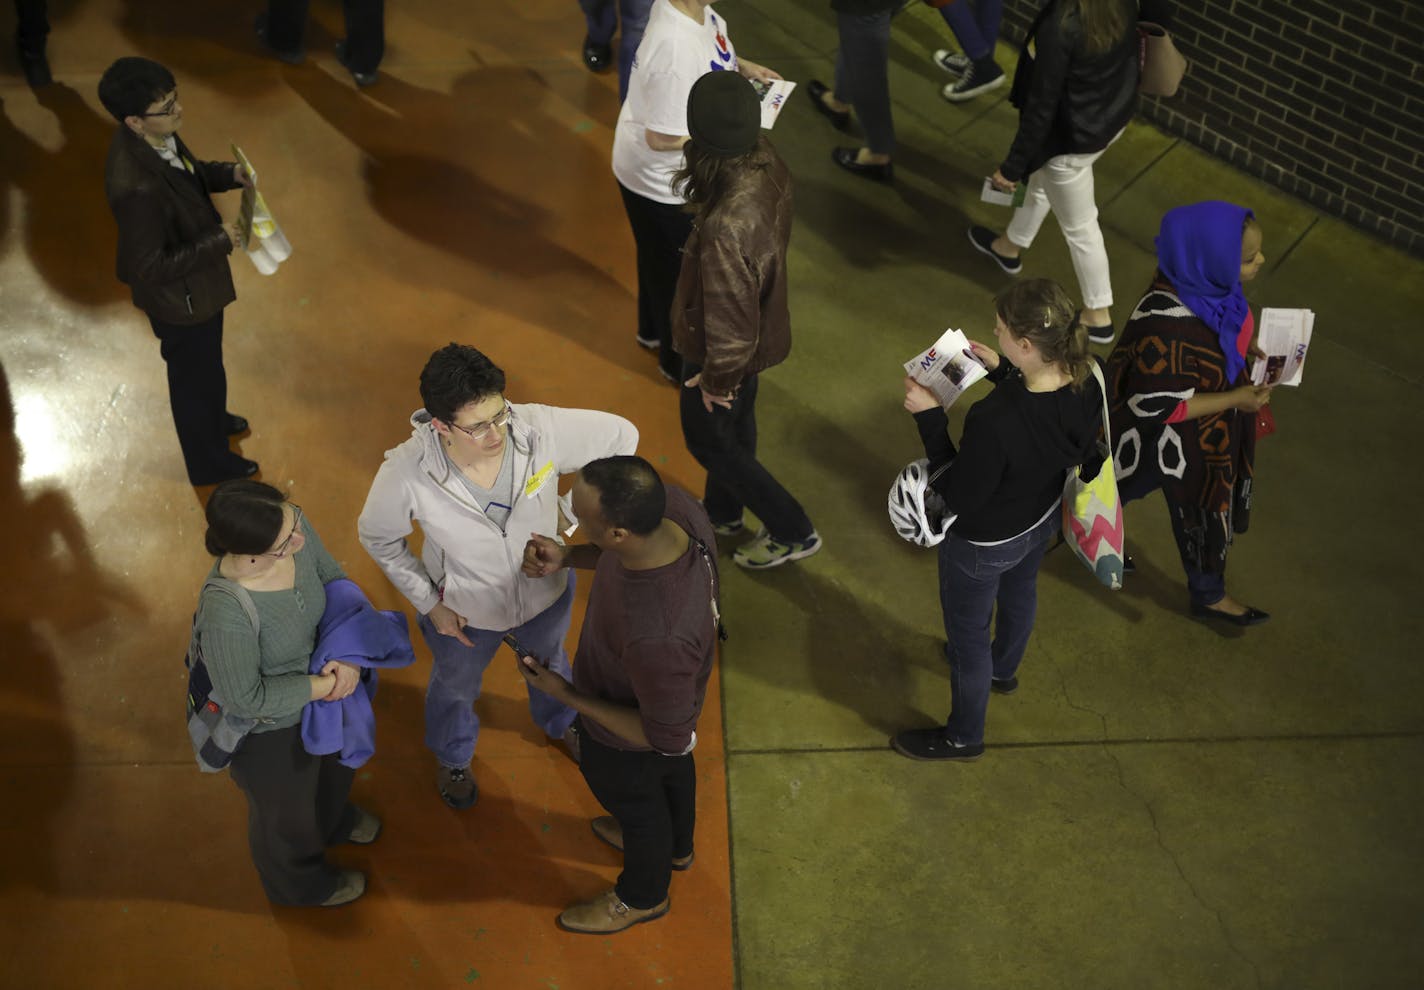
{"x": 675, "y": 52}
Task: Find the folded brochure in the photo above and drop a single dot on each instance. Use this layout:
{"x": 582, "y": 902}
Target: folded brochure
{"x": 947, "y": 368}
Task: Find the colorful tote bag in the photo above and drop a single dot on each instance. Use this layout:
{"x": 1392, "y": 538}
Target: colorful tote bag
{"x": 1092, "y": 512}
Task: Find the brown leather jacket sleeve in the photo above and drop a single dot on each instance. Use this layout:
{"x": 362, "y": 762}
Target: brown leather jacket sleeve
{"x": 731, "y": 297}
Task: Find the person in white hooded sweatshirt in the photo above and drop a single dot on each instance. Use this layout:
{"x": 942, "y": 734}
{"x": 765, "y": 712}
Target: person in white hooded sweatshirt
{"x": 480, "y": 474}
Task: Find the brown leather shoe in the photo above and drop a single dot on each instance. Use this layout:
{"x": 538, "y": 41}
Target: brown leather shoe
{"x": 606, "y": 827}
{"x": 606, "y": 914}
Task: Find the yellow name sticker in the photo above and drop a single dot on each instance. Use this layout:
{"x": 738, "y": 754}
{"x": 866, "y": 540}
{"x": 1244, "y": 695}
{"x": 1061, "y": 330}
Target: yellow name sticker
{"x": 536, "y": 483}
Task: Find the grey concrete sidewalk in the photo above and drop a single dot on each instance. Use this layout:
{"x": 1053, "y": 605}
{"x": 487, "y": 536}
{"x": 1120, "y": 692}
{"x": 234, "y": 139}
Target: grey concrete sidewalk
{"x": 1163, "y": 804}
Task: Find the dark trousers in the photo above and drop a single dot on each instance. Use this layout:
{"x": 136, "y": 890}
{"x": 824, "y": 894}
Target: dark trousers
{"x": 365, "y": 30}
{"x": 975, "y": 24}
{"x": 603, "y": 16}
{"x": 863, "y": 75}
{"x": 659, "y": 231}
{"x": 197, "y": 392}
{"x": 1206, "y": 587}
{"x": 654, "y": 798}
{"x": 296, "y": 807}
{"x": 32, "y": 27}
{"x": 724, "y": 442}
{"x": 972, "y": 580}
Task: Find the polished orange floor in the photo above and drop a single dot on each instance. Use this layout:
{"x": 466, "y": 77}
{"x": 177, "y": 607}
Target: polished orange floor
{"x": 466, "y": 197}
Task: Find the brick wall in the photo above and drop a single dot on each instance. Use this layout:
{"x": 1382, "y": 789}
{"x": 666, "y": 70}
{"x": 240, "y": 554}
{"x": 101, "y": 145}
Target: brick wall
{"x": 1324, "y": 100}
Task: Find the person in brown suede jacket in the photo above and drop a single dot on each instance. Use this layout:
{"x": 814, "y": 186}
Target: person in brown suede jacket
{"x": 172, "y": 253}
{"x": 730, "y": 320}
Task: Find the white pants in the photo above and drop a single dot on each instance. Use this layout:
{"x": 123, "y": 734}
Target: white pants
{"x": 1065, "y": 185}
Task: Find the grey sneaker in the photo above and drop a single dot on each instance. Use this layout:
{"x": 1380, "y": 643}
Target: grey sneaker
{"x": 457, "y": 786}
{"x": 765, "y": 552}
{"x": 352, "y": 886}
{"x": 366, "y": 829}
{"x": 955, "y": 63}
{"x": 729, "y": 528}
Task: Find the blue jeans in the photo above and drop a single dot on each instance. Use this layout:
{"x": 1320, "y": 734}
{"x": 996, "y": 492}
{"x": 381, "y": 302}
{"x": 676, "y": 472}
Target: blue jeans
{"x": 972, "y": 579}
{"x": 451, "y": 725}
{"x": 975, "y": 24}
{"x": 602, "y": 17}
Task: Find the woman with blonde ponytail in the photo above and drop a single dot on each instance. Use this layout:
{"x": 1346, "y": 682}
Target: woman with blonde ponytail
{"x": 1003, "y": 485}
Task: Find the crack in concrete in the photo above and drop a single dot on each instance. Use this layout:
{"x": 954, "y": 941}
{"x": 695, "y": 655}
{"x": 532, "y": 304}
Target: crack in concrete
{"x": 1157, "y": 829}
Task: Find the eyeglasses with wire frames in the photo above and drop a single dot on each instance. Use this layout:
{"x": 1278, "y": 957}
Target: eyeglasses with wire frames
{"x": 281, "y": 550}
{"x": 167, "y": 110}
{"x": 481, "y": 430}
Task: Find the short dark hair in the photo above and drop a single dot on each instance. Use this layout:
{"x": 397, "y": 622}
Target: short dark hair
{"x": 630, "y": 493}
{"x": 132, "y": 84}
{"x": 244, "y": 517}
{"x": 455, "y": 376}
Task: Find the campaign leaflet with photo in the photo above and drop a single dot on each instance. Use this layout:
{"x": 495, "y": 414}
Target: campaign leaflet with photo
{"x": 947, "y": 368}
{"x": 773, "y": 95}
{"x": 1284, "y": 337}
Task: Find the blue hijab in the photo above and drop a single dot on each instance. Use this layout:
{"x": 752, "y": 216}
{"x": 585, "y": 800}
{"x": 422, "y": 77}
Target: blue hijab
{"x": 1199, "y": 250}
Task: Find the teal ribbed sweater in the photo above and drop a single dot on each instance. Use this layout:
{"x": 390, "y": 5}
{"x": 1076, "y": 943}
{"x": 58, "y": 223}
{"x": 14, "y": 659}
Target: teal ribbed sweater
{"x": 267, "y": 677}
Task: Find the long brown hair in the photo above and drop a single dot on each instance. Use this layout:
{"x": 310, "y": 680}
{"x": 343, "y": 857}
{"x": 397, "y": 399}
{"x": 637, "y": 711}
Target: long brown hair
{"x": 1039, "y": 311}
{"x": 1105, "y": 23}
{"x": 704, "y": 177}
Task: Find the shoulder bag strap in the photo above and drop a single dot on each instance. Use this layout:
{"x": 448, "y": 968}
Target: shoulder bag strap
{"x": 235, "y": 590}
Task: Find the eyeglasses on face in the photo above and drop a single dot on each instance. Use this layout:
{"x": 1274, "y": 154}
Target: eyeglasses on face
{"x": 481, "y": 430}
{"x": 281, "y": 550}
{"x": 167, "y": 110}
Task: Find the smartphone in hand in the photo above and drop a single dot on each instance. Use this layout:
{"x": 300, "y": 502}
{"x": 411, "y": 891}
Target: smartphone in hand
{"x": 522, "y": 653}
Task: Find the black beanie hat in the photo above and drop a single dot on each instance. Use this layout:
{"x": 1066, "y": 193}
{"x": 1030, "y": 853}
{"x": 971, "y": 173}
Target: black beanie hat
{"x": 724, "y": 114}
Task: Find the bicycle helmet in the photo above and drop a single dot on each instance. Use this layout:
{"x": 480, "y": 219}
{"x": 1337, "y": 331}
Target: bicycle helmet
{"x": 916, "y": 510}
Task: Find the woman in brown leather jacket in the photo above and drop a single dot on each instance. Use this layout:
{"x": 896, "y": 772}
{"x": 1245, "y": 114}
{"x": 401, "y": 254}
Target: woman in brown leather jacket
{"x": 729, "y": 316}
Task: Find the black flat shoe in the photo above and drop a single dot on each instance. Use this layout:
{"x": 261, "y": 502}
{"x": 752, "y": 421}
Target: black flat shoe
{"x": 1250, "y": 617}
{"x": 932, "y": 744}
{"x": 363, "y": 79}
{"x": 816, "y": 89}
{"x": 291, "y": 58}
{"x": 596, "y": 57}
{"x": 241, "y": 468}
{"x": 234, "y": 424}
{"x": 845, "y": 158}
{"x": 1129, "y": 566}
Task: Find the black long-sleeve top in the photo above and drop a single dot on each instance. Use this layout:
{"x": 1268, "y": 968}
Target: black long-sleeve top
{"x": 1014, "y": 454}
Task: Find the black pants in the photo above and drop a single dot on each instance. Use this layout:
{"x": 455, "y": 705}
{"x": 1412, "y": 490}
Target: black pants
{"x": 365, "y": 30}
{"x": 296, "y": 807}
{"x": 654, "y": 798}
{"x": 197, "y": 392}
{"x": 659, "y": 230}
{"x": 33, "y": 26}
{"x": 724, "y": 442}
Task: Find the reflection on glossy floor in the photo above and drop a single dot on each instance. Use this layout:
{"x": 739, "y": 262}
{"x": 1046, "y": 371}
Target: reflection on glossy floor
{"x": 449, "y": 203}
{"x": 1161, "y": 805}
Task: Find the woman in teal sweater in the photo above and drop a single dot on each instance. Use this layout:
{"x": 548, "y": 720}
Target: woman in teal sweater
{"x": 297, "y": 803}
